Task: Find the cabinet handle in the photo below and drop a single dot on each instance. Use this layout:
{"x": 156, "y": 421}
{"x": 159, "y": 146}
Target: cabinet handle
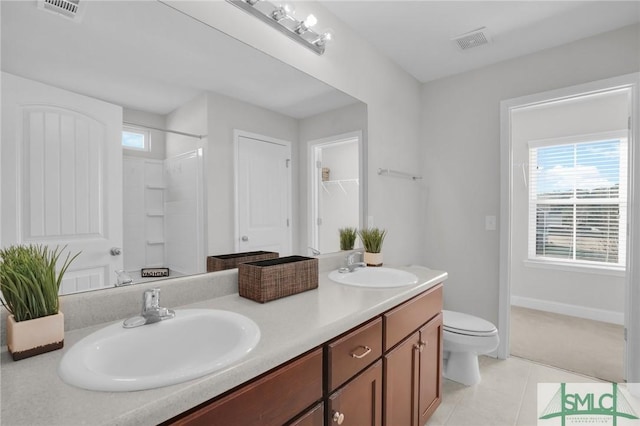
{"x": 423, "y": 345}
{"x": 367, "y": 351}
{"x": 338, "y": 417}
{"x": 419, "y": 346}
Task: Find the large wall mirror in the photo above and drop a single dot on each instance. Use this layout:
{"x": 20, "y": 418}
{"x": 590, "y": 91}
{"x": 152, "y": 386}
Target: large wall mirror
{"x": 146, "y": 139}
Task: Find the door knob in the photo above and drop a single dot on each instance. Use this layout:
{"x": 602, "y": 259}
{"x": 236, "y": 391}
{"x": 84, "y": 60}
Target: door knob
{"x": 338, "y": 417}
{"x": 244, "y": 238}
{"x": 116, "y": 251}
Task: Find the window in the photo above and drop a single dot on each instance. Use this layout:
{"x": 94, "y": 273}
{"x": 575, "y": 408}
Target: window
{"x": 136, "y": 139}
{"x": 578, "y": 200}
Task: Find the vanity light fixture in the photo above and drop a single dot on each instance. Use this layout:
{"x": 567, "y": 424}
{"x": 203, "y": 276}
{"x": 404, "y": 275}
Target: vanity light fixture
{"x": 281, "y": 17}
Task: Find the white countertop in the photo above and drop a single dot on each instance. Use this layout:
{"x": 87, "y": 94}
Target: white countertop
{"x": 33, "y": 394}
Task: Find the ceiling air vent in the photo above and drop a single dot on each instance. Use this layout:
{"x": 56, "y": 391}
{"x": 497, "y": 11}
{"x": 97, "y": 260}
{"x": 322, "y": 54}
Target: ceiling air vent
{"x": 71, "y": 9}
{"x": 472, "y": 39}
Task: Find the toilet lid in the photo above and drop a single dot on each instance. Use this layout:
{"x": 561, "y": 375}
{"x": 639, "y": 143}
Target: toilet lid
{"x": 457, "y": 322}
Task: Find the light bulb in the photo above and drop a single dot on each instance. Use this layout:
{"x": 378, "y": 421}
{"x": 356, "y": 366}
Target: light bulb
{"x": 324, "y": 38}
{"x": 289, "y": 8}
{"x": 284, "y": 10}
{"x": 310, "y": 21}
{"x": 304, "y": 26}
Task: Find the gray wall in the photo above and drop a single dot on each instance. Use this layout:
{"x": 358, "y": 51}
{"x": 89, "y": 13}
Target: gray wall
{"x": 461, "y": 154}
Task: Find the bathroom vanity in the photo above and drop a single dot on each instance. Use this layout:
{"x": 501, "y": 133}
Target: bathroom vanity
{"x": 391, "y": 364}
{"x": 335, "y": 355}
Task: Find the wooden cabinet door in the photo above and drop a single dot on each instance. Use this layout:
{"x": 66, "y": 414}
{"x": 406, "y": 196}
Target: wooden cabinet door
{"x": 359, "y": 402}
{"x": 401, "y": 368}
{"x": 313, "y": 417}
{"x": 430, "y": 353}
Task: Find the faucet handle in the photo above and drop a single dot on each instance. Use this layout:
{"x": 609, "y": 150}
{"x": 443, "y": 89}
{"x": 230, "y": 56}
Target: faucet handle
{"x": 150, "y": 299}
{"x": 351, "y": 258}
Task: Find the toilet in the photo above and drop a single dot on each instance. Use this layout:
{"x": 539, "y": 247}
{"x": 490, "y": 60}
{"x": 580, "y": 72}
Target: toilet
{"x": 465, "y": 337}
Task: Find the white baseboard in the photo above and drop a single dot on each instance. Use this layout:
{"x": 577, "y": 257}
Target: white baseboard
{"x": 612, "y": 317}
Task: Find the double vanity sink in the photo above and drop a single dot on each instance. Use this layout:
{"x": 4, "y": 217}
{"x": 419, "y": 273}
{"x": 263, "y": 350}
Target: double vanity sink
{"x": 241, "y": 340}
{"x": 193, "y": 343}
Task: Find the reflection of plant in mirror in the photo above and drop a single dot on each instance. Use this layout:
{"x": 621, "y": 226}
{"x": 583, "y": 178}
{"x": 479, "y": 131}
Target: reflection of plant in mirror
{"x": 372, "y": 239}
{"x": 347, "y": 238}
{"x": 29, "y": 282}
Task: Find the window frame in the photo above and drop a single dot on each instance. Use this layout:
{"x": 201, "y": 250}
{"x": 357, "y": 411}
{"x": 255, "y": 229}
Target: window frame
{"x": 535, "y": 260}
{"x": 141, "y": 131}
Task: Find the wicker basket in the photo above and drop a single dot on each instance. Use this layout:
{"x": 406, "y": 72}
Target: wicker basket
{"x": 272, "y": 279}
{"x": 232, "y": 260}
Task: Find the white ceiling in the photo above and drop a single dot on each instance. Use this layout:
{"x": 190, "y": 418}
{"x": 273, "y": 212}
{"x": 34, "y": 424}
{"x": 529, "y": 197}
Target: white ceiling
{"x": 144, "y": 55}
{"x": 147, "y": 56}
{"x": 417, "y": 34}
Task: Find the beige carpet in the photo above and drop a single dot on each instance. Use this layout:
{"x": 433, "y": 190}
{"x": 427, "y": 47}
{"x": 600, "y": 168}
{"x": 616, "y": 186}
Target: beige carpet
{"x": 583, "y": 346}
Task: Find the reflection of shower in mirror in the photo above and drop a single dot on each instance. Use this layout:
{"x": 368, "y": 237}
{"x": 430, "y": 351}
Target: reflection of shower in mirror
{"x": 162, "y": 214}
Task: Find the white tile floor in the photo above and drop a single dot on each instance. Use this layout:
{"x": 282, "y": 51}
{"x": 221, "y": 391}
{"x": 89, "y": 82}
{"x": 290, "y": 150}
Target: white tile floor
{"x": 506, "y": 396}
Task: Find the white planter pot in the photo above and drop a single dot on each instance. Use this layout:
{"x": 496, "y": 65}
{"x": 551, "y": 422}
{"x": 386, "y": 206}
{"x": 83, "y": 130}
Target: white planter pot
{"x": 373, "y": 259}
{"x": 36, "y": 336}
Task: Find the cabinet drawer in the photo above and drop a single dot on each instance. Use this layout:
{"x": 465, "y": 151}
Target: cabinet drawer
{"x": 353, "y": 352}
{"x": 271, "y": 400}
{"x": 313, "y": 417}
{"x": 408, "y": 317}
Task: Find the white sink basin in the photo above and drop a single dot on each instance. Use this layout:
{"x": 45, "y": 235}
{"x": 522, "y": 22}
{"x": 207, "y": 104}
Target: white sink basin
{"x": 194, "y": 343}
{"x": 375, "y": 277}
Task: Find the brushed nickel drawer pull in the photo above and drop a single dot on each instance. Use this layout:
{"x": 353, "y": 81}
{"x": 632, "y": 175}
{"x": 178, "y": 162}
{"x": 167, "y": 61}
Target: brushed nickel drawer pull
{"x": 367, "y": 351}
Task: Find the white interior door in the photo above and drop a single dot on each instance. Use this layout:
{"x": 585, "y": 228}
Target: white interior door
{"x": 62, "y": 177}
{"x": 263, "y": 194}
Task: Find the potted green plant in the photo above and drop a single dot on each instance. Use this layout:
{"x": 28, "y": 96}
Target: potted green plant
{"x": 372, "y": 239}
{"x": 30, "y": 283}
{"x": 347, "y": 238}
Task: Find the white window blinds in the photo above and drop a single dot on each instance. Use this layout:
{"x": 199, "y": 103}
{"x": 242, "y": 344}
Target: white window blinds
{"x": 578, "y": 200}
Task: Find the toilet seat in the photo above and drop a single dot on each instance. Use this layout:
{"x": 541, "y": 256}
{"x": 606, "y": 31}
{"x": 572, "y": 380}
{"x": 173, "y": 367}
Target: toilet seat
{"x": 469, "y": 325}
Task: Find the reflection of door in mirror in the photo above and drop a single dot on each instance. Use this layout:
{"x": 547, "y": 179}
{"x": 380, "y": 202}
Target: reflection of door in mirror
{"x": 334, "y": 189}
{"x": 263, "y": 194}
{"x": 61, "y": 177}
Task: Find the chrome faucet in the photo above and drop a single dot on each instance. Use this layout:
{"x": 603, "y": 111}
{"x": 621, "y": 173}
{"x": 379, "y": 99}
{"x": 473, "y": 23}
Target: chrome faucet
{"x": 123, "y": 278}
{"x": 151, "y": 310}
{"x": 352, "y": 264}
{"x": 314, "y": 251}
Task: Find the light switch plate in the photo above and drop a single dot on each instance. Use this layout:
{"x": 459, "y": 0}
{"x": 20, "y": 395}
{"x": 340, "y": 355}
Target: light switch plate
{"x": 490, "y": 223}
